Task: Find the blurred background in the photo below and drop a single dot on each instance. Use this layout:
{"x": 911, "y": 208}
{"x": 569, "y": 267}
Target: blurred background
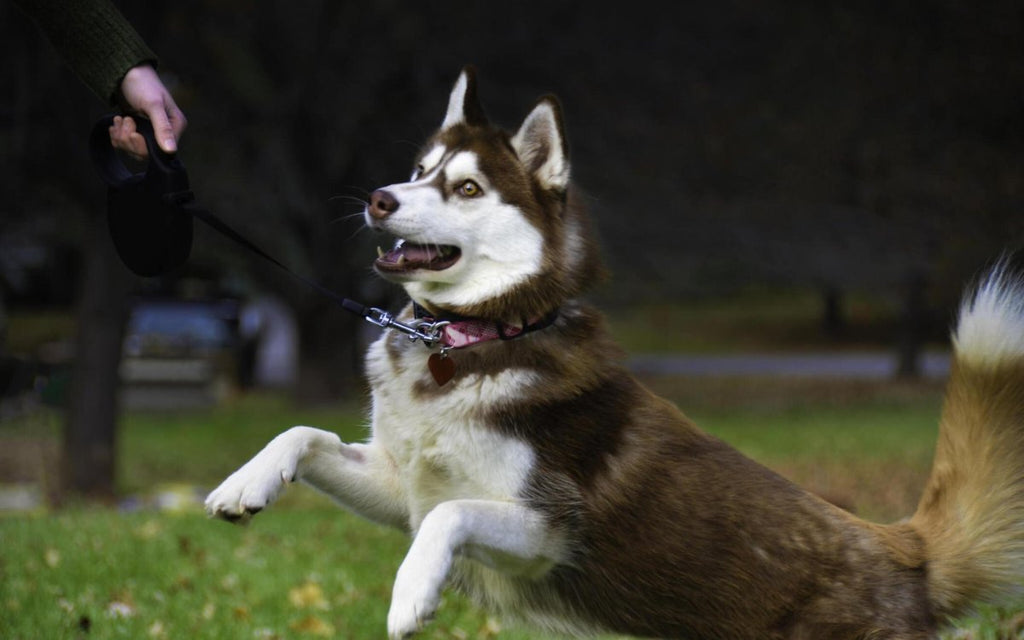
{"x": 790, "y": 196}
{"x": 817, "y": 178}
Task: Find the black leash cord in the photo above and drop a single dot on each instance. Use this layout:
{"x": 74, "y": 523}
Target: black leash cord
{"x": 219, "y": 225}
{"x": 163, "y": 194}
{"x": 428, "y": 331}
{"x": 150, "y": 219}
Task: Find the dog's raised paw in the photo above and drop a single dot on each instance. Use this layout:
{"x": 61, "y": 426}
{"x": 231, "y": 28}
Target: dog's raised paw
{"x": 249, "y": 490}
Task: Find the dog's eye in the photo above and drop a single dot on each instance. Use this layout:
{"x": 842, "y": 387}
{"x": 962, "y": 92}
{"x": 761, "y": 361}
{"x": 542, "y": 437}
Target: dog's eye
{"x": 469, "y": 189}
{"x": 417, "y": 172}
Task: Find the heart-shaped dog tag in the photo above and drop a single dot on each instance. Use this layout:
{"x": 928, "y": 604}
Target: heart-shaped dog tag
{"x": 441, "y": 367}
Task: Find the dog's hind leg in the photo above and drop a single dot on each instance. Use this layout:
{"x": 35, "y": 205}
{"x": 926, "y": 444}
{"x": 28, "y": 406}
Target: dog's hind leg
{"x": 358, "y": 476}
{"x": 509, "y": 537}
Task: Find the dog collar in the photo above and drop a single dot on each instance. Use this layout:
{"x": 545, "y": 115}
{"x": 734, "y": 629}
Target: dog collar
{"x": 461, "y": 332}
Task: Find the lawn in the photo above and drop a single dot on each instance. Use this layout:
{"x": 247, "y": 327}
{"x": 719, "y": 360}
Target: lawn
{"x": 786, "y": 320}
{"x": 305, "y": 569}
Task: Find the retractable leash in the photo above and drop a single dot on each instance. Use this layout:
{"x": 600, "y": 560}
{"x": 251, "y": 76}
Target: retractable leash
{"x": 150, "y": 220}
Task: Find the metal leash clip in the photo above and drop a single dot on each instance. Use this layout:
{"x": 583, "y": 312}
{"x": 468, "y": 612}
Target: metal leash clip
{"x": 426, "y": 330}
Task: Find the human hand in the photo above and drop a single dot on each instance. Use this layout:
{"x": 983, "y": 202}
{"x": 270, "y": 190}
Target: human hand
{"x": 144, "y": 92}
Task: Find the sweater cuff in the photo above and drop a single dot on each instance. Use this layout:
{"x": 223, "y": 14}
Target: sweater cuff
{"x": 95, "y": 40}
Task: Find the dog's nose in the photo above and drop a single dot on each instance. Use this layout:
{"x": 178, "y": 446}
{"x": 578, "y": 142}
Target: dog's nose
{"x": 382, "y": 204}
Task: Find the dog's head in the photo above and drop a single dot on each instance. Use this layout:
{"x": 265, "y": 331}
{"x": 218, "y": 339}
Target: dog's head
{"x": 487, "y": 224}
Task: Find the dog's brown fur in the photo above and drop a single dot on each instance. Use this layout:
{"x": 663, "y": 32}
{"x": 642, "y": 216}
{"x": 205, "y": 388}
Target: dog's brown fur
{"x": 675, "y": 534}
{"x": 551, "y": 486}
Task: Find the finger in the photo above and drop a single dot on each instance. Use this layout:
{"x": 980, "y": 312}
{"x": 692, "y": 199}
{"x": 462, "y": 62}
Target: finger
{"x": 162, "y": 128}
{"x": 124, "y": 137}
{"x": 136, "y": 146}
{"x": 117, "y": 131}
{"x": 177, "y": 118}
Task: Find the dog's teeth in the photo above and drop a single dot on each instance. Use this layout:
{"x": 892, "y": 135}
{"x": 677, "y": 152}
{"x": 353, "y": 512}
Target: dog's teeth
{"x": 401, "y": 260}
{"x": 380, "y": 252}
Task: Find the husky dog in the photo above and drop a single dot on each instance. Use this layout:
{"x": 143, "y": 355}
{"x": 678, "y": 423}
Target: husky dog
{"x": 538, "y": 476}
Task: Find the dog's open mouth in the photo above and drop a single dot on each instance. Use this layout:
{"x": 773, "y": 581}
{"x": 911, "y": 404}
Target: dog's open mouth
{"x": 410, "y": 256}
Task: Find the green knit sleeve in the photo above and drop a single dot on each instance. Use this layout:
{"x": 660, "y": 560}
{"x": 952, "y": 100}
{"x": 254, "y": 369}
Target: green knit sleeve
{"x": 93, "y": 38}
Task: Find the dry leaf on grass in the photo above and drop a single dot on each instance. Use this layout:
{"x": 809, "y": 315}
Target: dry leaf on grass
{"x": 313, "y": 626}
{"x": 308, "y": 595}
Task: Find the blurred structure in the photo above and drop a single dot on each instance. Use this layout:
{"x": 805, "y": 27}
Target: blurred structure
{"x": 180, "y": 353}
{"x": 270, "y": 341}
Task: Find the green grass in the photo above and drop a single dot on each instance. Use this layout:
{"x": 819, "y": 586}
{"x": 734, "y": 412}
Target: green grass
{"x": 203, "y": 446}
{"x": 868, "y": 451}
{"x": 305, "y": 569}
{"x": 302, "y": 569}
{"x": 753, "y": 321}
{"x": 295, "y": 572}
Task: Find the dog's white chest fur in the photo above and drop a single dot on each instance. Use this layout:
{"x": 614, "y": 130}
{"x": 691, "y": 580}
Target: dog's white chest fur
{"x": 438, "y": 442}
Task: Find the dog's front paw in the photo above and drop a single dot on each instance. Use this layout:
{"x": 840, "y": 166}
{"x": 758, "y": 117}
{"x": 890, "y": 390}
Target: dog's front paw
{"x": 254, "y": 486}
{"x": 415, "y": 598}
{"x": 409, "y": 615}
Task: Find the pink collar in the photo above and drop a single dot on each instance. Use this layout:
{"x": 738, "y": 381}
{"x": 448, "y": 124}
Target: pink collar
{"x": 466, "y": 332}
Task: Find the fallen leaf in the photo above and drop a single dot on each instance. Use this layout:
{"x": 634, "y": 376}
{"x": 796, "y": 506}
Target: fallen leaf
{"x": 148, "y": 530}
{"x": 313, "y": 625}
{"x": 182, "y": 583}
{"x": 119, "y": 609}
{"x": 52, "y": 558}
{"x": 121, "y": 605}
{"x": 308, "y": 595}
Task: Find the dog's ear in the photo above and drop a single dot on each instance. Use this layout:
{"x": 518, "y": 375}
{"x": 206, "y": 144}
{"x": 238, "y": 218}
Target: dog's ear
{"x": 541, "y": 146}
{"x": 463, "y": 104}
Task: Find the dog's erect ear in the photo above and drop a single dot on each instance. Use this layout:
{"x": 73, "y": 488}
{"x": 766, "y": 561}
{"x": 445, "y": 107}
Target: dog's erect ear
{"x": 463, "y": 104}
{"x": 541, "y": 146}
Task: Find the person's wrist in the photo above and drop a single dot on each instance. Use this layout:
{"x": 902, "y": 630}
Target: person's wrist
{"x": 138, "y": 76}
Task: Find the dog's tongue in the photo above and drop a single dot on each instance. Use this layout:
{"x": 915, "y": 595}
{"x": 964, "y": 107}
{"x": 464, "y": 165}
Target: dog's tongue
{"x": 418, "y": 253}
{"x": 409, "y": 255}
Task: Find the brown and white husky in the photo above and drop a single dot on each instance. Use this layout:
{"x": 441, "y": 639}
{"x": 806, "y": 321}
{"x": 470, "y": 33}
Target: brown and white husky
{"x": 534, "y": 473}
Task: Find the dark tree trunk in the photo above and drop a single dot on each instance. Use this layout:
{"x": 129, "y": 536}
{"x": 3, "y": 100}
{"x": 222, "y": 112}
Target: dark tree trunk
{"x": 913, "y": 328}
{"x": 90, "y": 432}
{"x": 833, "y": 321}
{"x": 327, "y": 350}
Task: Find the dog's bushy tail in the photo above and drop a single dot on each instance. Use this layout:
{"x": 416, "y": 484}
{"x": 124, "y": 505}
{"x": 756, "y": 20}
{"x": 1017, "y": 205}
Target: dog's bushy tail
{"x": 971, "y": 516}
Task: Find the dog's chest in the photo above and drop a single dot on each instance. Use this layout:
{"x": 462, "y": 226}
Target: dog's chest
{"x": 440, "y": 442}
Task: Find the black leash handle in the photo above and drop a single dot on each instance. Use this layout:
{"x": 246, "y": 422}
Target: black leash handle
{"x": 152, "y": 234}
